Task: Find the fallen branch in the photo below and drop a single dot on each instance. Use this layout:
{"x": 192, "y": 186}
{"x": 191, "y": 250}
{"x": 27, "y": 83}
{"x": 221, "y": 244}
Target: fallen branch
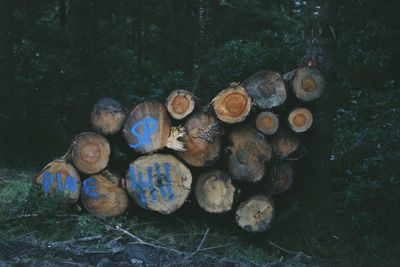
{"x": 300, "y": 253}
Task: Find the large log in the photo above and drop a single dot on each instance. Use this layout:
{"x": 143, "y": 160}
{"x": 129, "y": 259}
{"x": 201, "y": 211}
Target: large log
{"x": 308, "y": 83}
{"x": 102, "y": 195}
{"x": 267, "y": 122}
{"x": 180, "y": 103}
{"x": 90, "y": 152}
{"x": 107, "y": 116}
{"x": 202, "y": 140}
{"x": 281, "y": 178}
{"x": 148, "y": 129}
{"x": 232, "y": 105}
{"x": 215, "y": 192}
{"x": 266, "y": 88}
{"x": 60, "y": 177}
{"x": 247, "y": 154}
{"x": 158, "y": 182}
{"x": 284, "y": 143}
{"x": 300, "y": 120}
{"x": 256, "y": 214}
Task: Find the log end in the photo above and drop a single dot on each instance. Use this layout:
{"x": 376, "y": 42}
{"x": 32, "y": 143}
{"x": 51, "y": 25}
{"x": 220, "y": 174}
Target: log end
{"x": 267, "y": 122}
{"x": 284, "y": 143}
{"x": 107, "y": 116}
{"x": 282, "y": 178}
{"x": 308, "y": 84}
{"x": 180, "y": 103}
{"x": 300, "y": 120}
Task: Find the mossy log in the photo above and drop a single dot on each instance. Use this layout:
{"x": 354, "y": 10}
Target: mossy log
{"x": 102, "y": 195}
{"x": 267, "y": 122}
{"x": 256, "y": 214}
{"x": 202, "y": 140}
{"x": 232, "y": 105}
{"x": 148, "y": 129}
{"x": 60, "y": 177}
{"x": 158, "y": 182}
{"x": 214, "y": 191}
{"x": 247, "y": 154}
{"x": 308, "y": 83}
{"x": 300, "y": 120}
{"x": 180, "y": 103}
{"x": 266, "y": 88}
{"x": 107, "y": 116}
{"x": 90, "y": 152}
{"x": 281, "y": 178}
{"x": 284, "y": 143}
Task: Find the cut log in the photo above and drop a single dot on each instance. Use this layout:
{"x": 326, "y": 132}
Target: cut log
{"x": 267, "y": 122}
{"x": 300, "y": 120}
{"x": 308, "y": 84}
{"x": 202, "y": 140}
{"x": 148, "y": 128}
{"x": 158, "y": 182}
{"x": 266, "y": 88}
{"x": 256, "y": 214}
{"x": 284, "y": 143}
{"x": 60, "y": 177}
{"x": 281, "y": 178}
{"x": 102, "y": 196}
{"x": 247, "y": 154}
{"x": 180, "y": 103}
{"x": 215, "y": 192}
{"x": 90, "y": 152}
{"x": 232, "y": 105}
{"x": 107, "y": 116}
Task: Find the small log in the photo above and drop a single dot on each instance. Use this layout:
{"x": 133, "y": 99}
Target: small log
{"x": 256, "y": 214}
{"x": 308, "y": 84}
{"x": 180, "y": 103}
{"x": 232, "y": 105}
{"x": 267, "y": 122}
{"x": 148, "y": 128}
{"x": 107, "y": 116}
{"x": 158, "y": 182}
{"x": 300, "y": 120}
{"x": 202, "y": 140}
{"x": 60, "y": 177}
{"x": 214, "y": 191}
{"x": 284, "y": 143}
{"x": 247, "y": 154}
{"x": 281, "y": 178}
{"x": 90, "y": 152}
{"x": 266, "y": 88}
{"x": 102, "y": 196}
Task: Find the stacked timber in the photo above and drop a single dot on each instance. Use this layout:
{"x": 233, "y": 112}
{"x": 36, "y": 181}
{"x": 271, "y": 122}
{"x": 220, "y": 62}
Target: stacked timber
{"x": 247, "y": 137}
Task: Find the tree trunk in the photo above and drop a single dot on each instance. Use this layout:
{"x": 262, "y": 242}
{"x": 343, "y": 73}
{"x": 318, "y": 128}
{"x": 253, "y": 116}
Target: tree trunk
{"x": 180, "y": 103}
{"x": 60, "y": 177}
{"x": 214, "y": 191}
{"x": 107, "y": 116}
{"x": 256, "y": 214}
{"x": 90, "y": 152}
{"x": 266, "y": 88}
{"x": 202, "y": 140}
{"x": 148, "y": 129}
{"x": 102, "y": 195}
{"x": 232, "y": 105}
{"x": 247, "y": 154}
{"x": 158, "y": 182}
{"x": 267, "y": 122}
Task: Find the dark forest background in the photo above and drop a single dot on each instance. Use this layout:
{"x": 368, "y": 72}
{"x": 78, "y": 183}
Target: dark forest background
{"x": 58, "y": 57}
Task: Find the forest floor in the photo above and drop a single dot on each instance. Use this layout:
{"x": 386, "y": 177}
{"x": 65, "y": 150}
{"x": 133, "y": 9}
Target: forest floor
{"x": 35, "y": 233}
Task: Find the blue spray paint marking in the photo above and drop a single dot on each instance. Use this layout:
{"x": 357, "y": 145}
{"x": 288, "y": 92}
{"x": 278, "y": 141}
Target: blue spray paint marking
{"x": 149, "y": 185}
{"x": 149, "y": 126}
{"x": 89, "y": 188}
{"x": 47, "y": 180}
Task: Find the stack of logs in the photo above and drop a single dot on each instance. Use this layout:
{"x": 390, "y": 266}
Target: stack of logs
{"x": 247, "y": 136}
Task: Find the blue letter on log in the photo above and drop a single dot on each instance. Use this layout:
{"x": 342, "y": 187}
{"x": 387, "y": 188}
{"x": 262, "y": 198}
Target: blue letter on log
{"x": 149, "y": 127}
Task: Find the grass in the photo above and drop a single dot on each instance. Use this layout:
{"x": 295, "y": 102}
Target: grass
{"x": 314, "y": 233}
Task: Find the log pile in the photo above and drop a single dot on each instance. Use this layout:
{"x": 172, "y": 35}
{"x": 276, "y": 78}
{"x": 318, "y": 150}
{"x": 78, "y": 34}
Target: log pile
{"x": 247, "y": 137}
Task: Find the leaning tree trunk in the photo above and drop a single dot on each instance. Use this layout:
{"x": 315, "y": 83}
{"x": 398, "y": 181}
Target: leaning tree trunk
{"x": 320, "y": 54}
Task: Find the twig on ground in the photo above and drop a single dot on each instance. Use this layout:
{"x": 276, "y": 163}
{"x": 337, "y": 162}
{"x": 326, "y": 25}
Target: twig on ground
{"x": 197, "y": 249}
{"x": 300, "y": 253}
{"x": 83, "y": 239}
{"x": 74, "y": 263}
